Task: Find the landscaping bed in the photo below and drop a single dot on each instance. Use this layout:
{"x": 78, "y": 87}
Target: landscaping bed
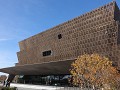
{"x": 7, "y": 88}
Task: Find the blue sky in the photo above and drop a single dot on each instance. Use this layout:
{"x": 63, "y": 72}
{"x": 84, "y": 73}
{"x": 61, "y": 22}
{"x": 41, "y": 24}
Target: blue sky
{"x": 20, "y": 19}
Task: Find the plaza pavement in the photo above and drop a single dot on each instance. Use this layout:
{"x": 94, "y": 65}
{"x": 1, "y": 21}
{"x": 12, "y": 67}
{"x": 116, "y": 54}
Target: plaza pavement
{"x": 42, "y": 87}
{"x": 39, "y": 87}
{"x": 35, "y": 87}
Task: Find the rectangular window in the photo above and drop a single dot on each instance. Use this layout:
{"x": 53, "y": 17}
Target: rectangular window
{"x": 46, "y": 53}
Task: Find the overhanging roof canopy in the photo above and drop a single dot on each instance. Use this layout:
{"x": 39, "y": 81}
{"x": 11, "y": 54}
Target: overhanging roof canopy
{"x": 59, "y": 67}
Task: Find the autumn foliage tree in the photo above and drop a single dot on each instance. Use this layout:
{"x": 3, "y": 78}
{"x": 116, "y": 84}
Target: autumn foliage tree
{"x": 94, "y": 71}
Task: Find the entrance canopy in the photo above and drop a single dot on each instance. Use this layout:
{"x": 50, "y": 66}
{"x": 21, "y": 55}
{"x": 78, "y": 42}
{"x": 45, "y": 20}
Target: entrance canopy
{"x": 58, "y": 67}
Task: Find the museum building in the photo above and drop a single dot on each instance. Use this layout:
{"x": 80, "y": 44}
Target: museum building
{"x": 47, "y": 56}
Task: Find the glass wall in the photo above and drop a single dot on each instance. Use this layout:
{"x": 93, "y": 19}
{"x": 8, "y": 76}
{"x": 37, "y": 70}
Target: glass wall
{"x": 57, "y": 80}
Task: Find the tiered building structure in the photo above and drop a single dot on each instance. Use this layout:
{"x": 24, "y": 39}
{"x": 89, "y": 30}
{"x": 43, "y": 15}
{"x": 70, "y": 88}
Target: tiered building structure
{"x": 94, "y": 32}
{"x": 52, "y": 51}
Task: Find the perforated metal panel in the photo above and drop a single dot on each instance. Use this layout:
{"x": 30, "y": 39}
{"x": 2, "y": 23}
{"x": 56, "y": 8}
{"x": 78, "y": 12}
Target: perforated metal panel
{"x": 94, "y": 32}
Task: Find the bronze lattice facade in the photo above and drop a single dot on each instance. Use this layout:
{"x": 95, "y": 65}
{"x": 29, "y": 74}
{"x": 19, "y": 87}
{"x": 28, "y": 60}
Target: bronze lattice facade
{"x": 97, "y": 31}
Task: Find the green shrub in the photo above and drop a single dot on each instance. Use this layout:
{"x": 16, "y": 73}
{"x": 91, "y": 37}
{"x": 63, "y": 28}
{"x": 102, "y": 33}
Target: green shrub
{"x": 7, "y": 88}
{"x": 0, "y": 87}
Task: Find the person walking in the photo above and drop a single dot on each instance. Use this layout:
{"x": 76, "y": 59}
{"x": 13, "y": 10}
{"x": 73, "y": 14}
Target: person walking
{"x": 8, "y": 83}
{"x": 3, "y": 83}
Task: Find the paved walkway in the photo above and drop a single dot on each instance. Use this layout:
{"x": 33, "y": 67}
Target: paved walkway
{"x": 40, "y": 87}
{"x": 35, "y": 87}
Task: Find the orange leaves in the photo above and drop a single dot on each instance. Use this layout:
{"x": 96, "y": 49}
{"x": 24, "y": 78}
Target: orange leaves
{"x": 93, "y": 70}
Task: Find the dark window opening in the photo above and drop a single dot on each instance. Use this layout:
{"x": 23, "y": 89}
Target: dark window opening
{"x": 46, "y": 53}
{"x": 59, "y": 36}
